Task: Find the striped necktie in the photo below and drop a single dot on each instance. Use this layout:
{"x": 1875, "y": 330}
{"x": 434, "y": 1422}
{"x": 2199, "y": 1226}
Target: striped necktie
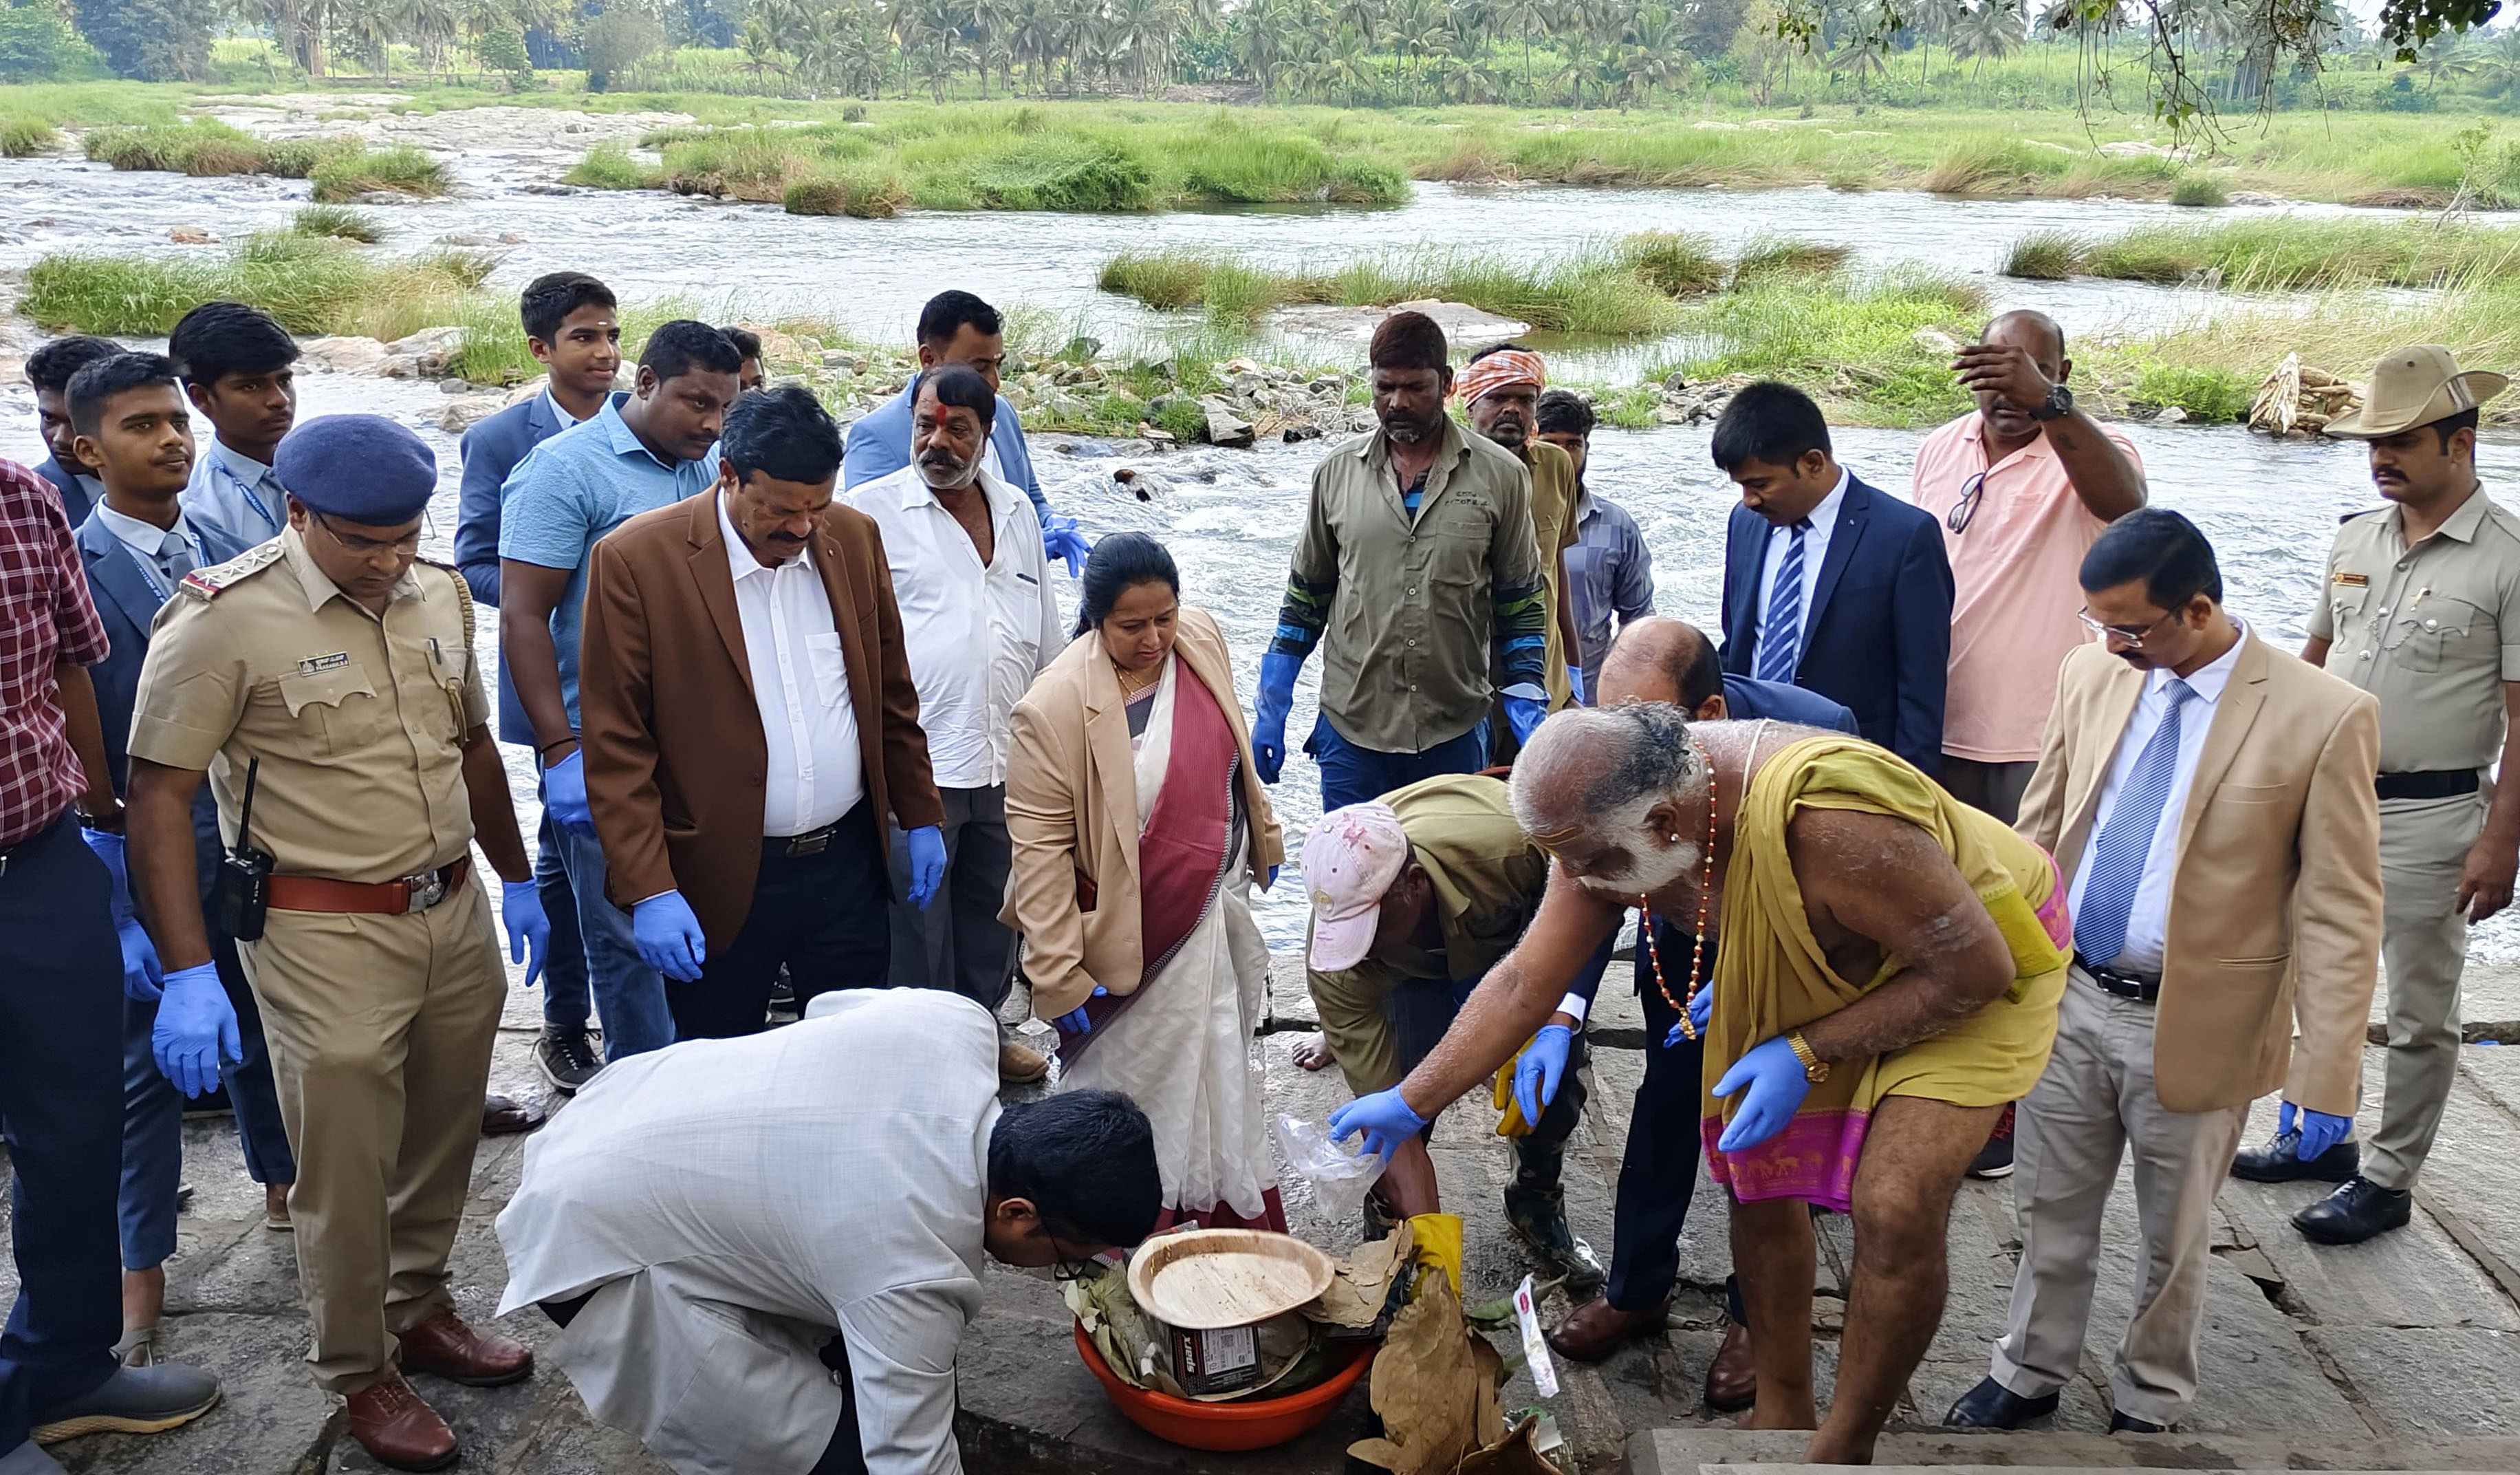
{"x": 1780, "y": 636}
{"x": 2126, "y": 841}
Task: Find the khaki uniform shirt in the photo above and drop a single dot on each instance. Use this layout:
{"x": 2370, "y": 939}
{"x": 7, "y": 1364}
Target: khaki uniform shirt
{"x": 2432, "y": 631}
{"x": 1487, "y": 875}
{"x": 1553, "y": 526}
{"x": 1405, "y": 658}
{"x": 358, "y": 720}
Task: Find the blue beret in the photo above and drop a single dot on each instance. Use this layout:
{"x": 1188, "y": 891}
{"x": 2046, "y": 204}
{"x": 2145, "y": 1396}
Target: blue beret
{"x": 358, "y": 468}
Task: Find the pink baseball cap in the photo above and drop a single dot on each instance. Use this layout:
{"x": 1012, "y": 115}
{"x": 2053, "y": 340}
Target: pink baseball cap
{"x": 1351, "y": 858}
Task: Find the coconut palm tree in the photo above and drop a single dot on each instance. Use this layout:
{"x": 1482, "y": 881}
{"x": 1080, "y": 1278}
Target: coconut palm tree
{"x": 1866, "y": 55}
{"x": 1993, "y": 29}
{"x": 1521, "y": 17}
{"x": 2498, "y": 66}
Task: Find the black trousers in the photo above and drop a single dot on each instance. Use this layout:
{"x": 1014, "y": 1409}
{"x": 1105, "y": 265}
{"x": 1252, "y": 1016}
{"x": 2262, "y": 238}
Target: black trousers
{"x": 61, "y": 1110}
{"x": 823, "y": 915}
{"x": 1659, "y": 1174}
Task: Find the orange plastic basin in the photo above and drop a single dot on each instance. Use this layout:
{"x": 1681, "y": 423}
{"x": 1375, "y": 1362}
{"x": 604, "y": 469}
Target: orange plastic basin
{"x": 1256, "y": 1424}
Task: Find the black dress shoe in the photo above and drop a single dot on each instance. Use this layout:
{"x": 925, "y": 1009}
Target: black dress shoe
{"x": 2355, "y": 1213}
{"x": 2124, "y": 1423}
{"x": 2280, "y": 1162}
{"x": 1991, "y": 1406}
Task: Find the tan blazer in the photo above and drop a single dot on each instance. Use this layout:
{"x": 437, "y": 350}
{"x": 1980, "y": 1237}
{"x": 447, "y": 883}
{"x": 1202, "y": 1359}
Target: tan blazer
{"x": 2274, "y": 906}
{"x": 1072, "y": 812}
{"x": 675, "y": 761}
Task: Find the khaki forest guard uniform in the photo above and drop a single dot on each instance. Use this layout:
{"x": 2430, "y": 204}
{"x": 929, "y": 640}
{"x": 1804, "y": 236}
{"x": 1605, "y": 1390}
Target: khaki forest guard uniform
{"x": 380, "y": 1024}
{"x": 2432, "y": 632}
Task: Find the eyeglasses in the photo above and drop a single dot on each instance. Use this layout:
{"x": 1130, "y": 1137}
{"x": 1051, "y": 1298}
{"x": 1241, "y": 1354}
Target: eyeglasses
{"x": 2133, "y": 637}
{"x": 1972, "y": 492}
{"x": 408, "y": 544}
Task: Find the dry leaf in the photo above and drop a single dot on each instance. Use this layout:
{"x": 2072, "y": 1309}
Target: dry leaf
{"x": 1511, "y": 1456}
{"x": 1355, "y": 1298}
{"x": 1430, "y": 1386}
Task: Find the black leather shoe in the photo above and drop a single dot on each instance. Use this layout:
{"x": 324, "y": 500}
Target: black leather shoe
{"x": 2124, "y": 1423}
{"x": 2279, "y": 1162}
{"x": 2355, "y": 1213}
{"x": 1991, "y": 1406}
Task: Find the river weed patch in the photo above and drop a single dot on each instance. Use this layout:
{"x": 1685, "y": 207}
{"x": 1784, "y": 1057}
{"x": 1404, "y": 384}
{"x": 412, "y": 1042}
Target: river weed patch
{"x": 1876, "y": 346}
{"x": 401, "y": 170}
{"x": 2047, "y": 255}
{"x": 336, "y": 221}
{"x": 1675, "y": 263}
{"x": 24, "y": 137}
{"x": 311, "y": 285}
{"x": 2292, "y": 254}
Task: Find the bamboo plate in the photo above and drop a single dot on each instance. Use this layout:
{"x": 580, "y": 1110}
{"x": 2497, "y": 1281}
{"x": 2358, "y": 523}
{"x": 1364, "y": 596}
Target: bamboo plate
{"x": 1206, "y": 1278}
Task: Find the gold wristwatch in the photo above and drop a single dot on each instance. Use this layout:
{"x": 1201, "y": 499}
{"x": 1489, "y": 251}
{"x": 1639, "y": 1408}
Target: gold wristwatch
{"x": 1815, "y": 1069}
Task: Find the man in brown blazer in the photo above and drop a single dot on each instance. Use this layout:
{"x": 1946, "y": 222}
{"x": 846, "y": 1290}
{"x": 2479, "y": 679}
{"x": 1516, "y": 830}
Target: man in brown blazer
{"x": 748, "y": 717}
{"x": 2208, "y": 800}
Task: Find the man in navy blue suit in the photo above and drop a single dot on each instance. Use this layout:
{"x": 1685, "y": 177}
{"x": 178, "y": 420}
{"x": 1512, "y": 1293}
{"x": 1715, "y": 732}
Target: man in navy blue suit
{"x": 573, "y": 329}
{"x": 958, "y": 328}
{"x": 1829, "y": 585}
{"x": 50, "y": 370}
{"x": 133, "y": 429}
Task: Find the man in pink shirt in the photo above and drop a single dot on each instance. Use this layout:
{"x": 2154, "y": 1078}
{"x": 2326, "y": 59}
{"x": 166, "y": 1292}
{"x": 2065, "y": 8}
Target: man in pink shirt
{"x": 2023, "y": 489}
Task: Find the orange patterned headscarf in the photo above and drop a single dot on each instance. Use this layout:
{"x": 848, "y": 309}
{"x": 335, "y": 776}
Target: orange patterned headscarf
{"x": 1503, "y": 369}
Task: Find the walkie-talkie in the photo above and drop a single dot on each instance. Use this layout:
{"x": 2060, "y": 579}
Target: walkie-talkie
{"x": 241, "y": 894}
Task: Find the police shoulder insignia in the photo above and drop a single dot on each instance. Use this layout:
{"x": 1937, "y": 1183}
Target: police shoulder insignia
{"x": 204, "y": 585}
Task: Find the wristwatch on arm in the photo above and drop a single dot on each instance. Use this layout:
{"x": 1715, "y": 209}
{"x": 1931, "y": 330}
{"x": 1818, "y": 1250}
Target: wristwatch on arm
{"x": 2058, "y": 404}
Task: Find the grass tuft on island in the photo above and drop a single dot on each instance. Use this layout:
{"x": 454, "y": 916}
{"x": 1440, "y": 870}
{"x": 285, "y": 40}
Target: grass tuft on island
{"x": 340, "y": 167}
{"x": 26, "y": 137}
{"x": 1596, "y": 292}
{"x": 314, "y": 285}
{"x": 2279, "y": 253}
{"x": 338, "y": 222}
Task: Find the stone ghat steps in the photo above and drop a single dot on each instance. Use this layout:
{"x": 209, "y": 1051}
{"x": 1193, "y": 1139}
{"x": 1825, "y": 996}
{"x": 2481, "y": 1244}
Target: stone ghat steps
{"x": 1739, "y": 1451}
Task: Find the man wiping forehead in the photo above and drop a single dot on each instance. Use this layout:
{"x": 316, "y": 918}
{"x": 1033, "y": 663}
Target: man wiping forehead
{"x": 724, "y": 1225}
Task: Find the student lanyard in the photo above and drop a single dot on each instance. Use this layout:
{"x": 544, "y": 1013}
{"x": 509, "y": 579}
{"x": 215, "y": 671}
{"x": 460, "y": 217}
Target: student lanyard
{"x": 245, "y": 490}
{"x": 154, "y": 577}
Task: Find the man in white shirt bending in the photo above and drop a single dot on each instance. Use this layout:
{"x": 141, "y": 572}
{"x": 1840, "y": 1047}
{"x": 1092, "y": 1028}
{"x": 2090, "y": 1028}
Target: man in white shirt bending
{"x": 980, "y": 621}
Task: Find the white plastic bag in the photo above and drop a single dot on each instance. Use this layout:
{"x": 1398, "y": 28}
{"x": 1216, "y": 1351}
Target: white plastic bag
{"x": 1339, "y": 1175}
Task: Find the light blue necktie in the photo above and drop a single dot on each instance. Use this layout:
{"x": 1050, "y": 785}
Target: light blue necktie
{"x": 2126, "y": 841}
{"x": 1780, "y": 636}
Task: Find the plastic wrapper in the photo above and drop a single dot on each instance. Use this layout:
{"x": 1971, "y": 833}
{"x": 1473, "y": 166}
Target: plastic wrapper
{"x": 1340, "y": 1177}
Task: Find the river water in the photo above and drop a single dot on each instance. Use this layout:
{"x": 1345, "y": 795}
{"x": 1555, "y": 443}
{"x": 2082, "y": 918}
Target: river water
{"x": 2270, "y": 507}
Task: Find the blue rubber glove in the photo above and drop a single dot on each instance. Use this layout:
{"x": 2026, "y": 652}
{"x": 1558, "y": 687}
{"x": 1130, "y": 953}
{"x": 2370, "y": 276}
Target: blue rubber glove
{"x": 1524, "y": 715}
{"x": 2320, "y": 1131}
{"x": 197, "y": 1030}
{"x": 1074, "y": 1022}
{"x": 1575, "y": 683}
{"x": 1060, "y": 540}
{"x": 927, "y": 864}
{"x": 669, "y": 937}
{"x": 1538, "y": 1069}
{"x": 142, "y": 977}
{"x": 564, "y": 793}
{"x": 1383, "y": 1117}
{"x": 521, "y": 907}
{"x": 1277, "y": 698}
{"x": 1774, "y": 1075}
{"x": 1701, "y": 1007}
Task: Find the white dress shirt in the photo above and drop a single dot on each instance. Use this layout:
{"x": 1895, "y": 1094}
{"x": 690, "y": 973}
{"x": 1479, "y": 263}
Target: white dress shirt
{"x": 234, "y": 494}
{"x": 800, "y": 681}
{"x": 977, "y": 635}
{"x": 742, "y": 1199}
{"x": 152, "y": 545}
{"x": 1824, "y": 522}
{"x": 2149, "y": 923}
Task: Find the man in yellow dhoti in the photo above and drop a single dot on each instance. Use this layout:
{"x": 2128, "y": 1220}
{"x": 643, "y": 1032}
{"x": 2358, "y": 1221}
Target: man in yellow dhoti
{"x": 1887, "y": 969}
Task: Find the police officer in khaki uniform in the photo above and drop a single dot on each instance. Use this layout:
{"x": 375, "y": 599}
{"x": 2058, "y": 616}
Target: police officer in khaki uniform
{"x": 334, "y": 675}
{"x": 2421, "y": 608}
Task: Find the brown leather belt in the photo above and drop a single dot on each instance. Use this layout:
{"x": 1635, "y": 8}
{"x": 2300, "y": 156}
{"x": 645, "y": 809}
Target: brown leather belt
{"x": 392, "y": 897}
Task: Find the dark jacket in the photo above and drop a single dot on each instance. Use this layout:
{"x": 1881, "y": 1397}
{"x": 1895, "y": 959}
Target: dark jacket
{"x": 76, "y": 500}
{"x": 128, "y": 603}
{"x": 491, "y": 450}
{"x": 1878, "y": 638}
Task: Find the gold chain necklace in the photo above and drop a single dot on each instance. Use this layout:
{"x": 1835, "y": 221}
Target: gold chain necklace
{"x": 1705, "y": 898}
{"x": 1129, "y": 687}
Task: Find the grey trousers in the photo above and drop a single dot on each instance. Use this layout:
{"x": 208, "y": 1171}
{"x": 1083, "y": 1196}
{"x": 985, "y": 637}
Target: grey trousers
{"x": 2094, "y": 1102}
{"x": 1990, "y": 788}
{"x": 958, "y": 942}
{"x": 2423, "y": 848}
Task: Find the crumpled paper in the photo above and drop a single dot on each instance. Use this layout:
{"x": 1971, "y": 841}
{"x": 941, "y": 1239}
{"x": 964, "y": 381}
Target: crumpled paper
{"x": 1437, "y": 1387}
{"x": 1513, "y": 1456}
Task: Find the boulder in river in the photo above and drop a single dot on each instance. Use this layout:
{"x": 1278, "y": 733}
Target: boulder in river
{"x": 1224, "y": 427}
{"x": 461, "y": 415}
{"x": 1145, "y": 485}
{"x": 345, "y": 354}
{"x": 1465, "y": 327}
{"x": 422, "y": 355}
{"x": 192, "y": 234}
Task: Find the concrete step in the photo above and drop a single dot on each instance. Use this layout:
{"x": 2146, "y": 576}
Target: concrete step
{"x": 2021, "y": 1452}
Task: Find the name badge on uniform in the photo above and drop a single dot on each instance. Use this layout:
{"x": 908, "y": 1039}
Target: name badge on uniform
{"x": 2354, "y": 581}
{"x": 314, "y": 664}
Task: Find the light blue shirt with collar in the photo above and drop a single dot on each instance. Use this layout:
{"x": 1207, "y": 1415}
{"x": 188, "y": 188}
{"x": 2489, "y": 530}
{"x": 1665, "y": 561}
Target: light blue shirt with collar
{"x": 571, "y": 490}
{"x": 236, "y": 496}
{"x": 1824, "y": 522}
{"x": 153, "y": 546}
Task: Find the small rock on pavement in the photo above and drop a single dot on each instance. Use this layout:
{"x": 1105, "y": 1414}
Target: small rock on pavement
{"x": 1224, "y": 427}
{"x": 343, "y": 354}
{"x": 192, "y": 234}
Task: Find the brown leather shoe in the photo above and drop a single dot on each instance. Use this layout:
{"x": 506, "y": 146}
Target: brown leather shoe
{"x": 1732, "y": 1378}
{"x": 444, "y": 1346}
{"x": 1597, "y": 1328}
{"x": 1021, "y": 1064}
{"x": 397, "y": 1427}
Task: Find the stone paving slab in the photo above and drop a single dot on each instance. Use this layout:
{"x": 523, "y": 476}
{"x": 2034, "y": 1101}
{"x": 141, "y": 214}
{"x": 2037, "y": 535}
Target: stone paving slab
{"x": 1688, "y": 1452}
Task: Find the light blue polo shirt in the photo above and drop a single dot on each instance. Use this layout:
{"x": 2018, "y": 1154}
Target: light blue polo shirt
{"x": 572, "y": 490}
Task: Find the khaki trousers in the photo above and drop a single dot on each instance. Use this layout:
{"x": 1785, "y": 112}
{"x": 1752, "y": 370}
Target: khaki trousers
{"x": 380, "y": 1030}
{"x": 2096, "y": 1100}
{"x": 2423, "y": 850}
